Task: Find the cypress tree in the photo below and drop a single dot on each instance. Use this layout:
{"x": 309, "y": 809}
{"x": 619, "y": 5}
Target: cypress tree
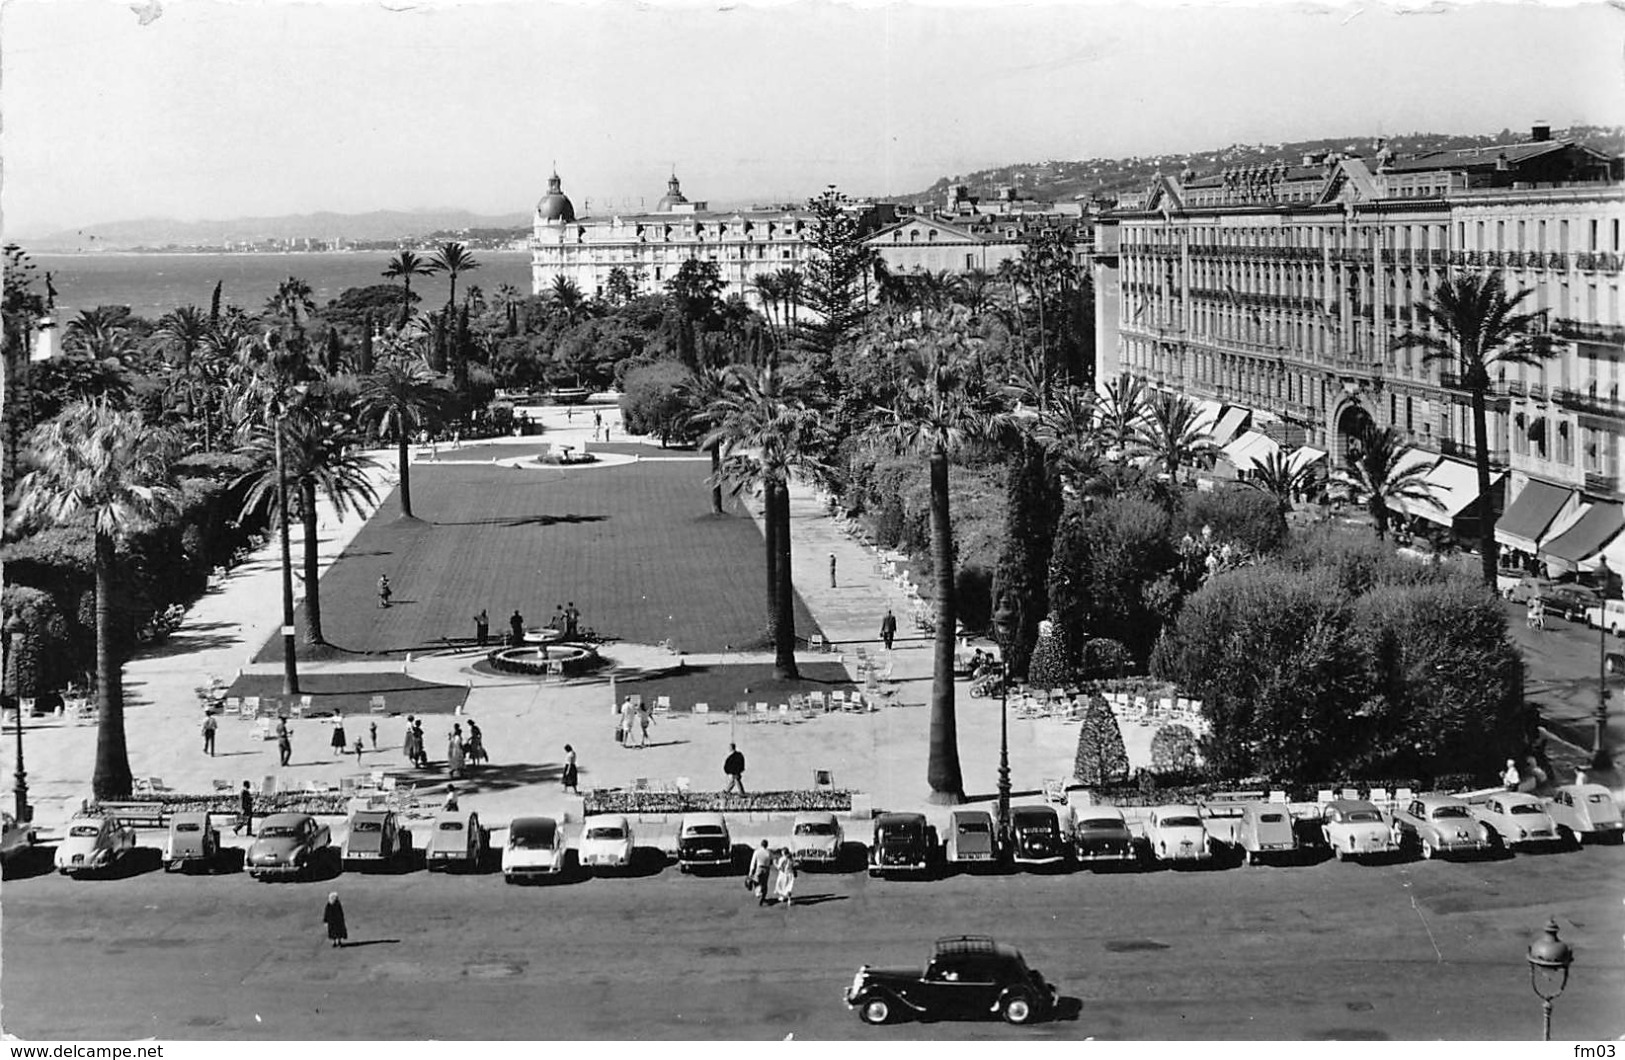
{"x": 1101, "y": 755}
{"x": 366, "y": 345}
{"x": 335, "y": 352}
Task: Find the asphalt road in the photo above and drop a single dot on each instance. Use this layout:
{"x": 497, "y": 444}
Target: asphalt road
{"x": 1562, "y": 672}
{"x": 1410, "y": 950}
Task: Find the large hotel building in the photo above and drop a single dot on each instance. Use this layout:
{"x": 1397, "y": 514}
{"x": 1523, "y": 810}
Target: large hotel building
{"x": 1273, "y": 295}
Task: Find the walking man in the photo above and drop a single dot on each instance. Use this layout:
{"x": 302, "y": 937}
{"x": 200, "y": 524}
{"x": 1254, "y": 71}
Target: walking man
{"x": 734, "y": 766}
{"x": 832, "y": 570}
{"x": 284, "y": 742}
{"x": 482, "y": 628}
{"x": 209, "y": 726}
{"x": 761, "y": 861}
{"x": 629, "y": 717}
{"x": 572, "y": 621}
{"x": 516, "y": 629}
{"x": 245, "y": 810}
{"x": 384, "y": 591}
{"x": 888, "y": 628}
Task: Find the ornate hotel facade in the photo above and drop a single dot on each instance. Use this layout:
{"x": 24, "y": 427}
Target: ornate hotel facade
{"x": 1273, "y": 295}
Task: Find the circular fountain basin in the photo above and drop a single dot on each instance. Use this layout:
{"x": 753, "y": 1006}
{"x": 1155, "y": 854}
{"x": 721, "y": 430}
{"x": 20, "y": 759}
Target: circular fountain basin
{"x": 545, "y": 659}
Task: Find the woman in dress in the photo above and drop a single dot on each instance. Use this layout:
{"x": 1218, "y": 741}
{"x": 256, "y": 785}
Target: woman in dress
{"x": 784, "y": 878}
{"x": 333, "y": 917}
{"x": 340, "y": 744}
{"x": 454, "y": 752}
{"x": 570, "y": 774}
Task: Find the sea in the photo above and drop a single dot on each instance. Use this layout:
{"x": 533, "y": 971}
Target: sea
{"x": 153, "y": 284}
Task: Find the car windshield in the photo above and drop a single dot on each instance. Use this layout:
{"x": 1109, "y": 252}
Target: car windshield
{"x": 1103, "y": 822}
{"x": 278, "y": 831}
{"x": 1181, "y": 822}
{"x": 188, "y": 826}
{"x": 1363, "y": 815}
{"x": 605, "y": 833}
{"x": 1520, "y": 809}
{"x": 451, "y": 826}
{"x": 1271, "y": 818}
{"x": 711, "y": 829}
{"x": 974, "y": 828}
{"x": 1450, "y": 811}
{"x": 368, "y": 826}
{"x": 815, "y": 828}
{"x": 533, "y": 837}
{"x": 85, "y": 831}
{"x": 1035, "y": 824}
{"x": 897, "y": 831}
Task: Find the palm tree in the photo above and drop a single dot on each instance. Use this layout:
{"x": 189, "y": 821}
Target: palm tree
{"x": 1279, "y": 477}
{"x": 184, "y": 332}
{"x": 1171, "y": 434}
{"x": 292, "y": 298}
{"x": 320, "y": 454}
{"x": 404, "y": 266}
{"x": 1121, "y": 412}
{"x": 105, "y": 469}
{"x": 705, "y": 390}
{"x": 935, "y": 418}
{"x": 453, "y": 259}
{"x": 101, "y": 332}
{"x": 975, "y": 290}
{"x": 567, "y": 299}
{"x": 1379, "y": 468}
{"x": 1474, "y": 324}
{"x": 400, "y": 397}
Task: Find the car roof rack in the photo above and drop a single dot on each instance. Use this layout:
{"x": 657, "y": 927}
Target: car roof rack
{"x": 966, "y": 944}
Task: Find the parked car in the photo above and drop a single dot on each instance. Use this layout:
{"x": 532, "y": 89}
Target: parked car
{"x": 1102, "y": 836}
{"x": 1439, "y": 824}
{"x": 376, "y": 838}
{"x": 1570, "y": 601}
{"x": 1176, "y": 835}
{"x": 703, "y": 843}
{"x": 15, "y": 837}
{"x": 535, "y": 848}
{"x": 816, "y": 839}
{"x": 1516, "y": 819}
{"x": 288, "y": 844}
{"x": 1036, "y": 837}
{"x": 456, "y": 841}
{"x": 970, "y": 838}
{"x": 606, "y": 843}
{"x": 1263, "y": 832}
{"x": 966, "y": 977}
{"x": 93, "y": 844}
{"x": 901, "y": 845}
{"x": 1584, "y": 812}
{"x": 1528, "y": 587}
{"x": 193, "y": 840}
{"x": 1609, "y": 615}
{"x": 1355, "y": 828}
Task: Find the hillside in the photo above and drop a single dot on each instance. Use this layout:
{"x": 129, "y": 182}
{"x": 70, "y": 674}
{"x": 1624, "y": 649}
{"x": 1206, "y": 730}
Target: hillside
{"x": 377, "y": 226}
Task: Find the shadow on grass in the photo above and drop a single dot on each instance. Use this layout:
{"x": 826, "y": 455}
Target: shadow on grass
{"x": 816, "y": 899}
{"x": 530, "y": 520}
{"x": 369, "y": 942}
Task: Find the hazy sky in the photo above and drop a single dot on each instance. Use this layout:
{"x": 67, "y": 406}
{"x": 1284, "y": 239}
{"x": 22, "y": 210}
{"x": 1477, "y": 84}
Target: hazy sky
{"x": 219, "y": 110}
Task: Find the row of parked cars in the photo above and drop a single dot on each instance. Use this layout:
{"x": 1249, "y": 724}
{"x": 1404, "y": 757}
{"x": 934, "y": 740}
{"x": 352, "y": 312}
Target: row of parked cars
{"x": 1040, "y": 836}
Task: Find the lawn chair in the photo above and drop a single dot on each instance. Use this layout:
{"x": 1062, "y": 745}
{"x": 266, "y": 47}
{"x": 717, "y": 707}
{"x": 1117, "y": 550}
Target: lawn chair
{"x": 1403, "y": 795}
{"x": 837, "y": 700}
{"x": 251, "y": 707}
{"x": 262, "y": 729}
{"x": 662, "y": 705}
{"x": 1381, "y": 796}
{"x": 784, "y": 713}
{"x": 1323, "y": 796}
{"x": 141, "y": 786}
{"x": 760, "y": 712}
{"x": 377, "y": 705}
{"x": 703, "y": 708}
{"x": 232, "y": 705}
{"x": 823, "y": 778}
{"x": 347, "y": 785}
{"x": 1055, "y": 792}
{"x": 1278, "y": 797}
{"x": 681, "y": 784}
{"x": 1351, "y": 794}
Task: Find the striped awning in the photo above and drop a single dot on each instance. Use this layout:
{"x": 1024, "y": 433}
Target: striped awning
{"x": 1246, "y": 452}
{"x": 1229, "y": 423}
{"x": 1587, "y": 537}
{"x": 1531, "y": 513}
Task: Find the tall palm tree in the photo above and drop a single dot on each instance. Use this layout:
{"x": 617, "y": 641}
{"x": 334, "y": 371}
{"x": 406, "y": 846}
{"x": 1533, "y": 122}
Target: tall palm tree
{"x": 705, "y": 390}
{"x": 453, "y": 259}
{"x": 321, "y": 455}
{"x": 294, "y": 300}
{"x": 1474, "y": 324}
{"x": 400, "y": 397}
{"x": 101, "y": 333}
{"x": 403, "y": 266}
{"x": 105, "y": 469}
{"x": 935, "y": 417}
{"x": 184, "y": 333}
{"x": 566, "y": 298}
{"x": 1378, "y": 467}
{"x": 975, "y": 290}
{"x": 792, "y": 288}
{"x": 1279, "y": 477}
{"x": 1121, "y": 412}
{"x": 1171, "y": 433}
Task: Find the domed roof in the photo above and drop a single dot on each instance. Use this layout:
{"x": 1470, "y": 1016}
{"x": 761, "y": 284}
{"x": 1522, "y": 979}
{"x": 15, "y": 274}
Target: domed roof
{"x": 555, "y": 205}
{"x": 673, "y": 196}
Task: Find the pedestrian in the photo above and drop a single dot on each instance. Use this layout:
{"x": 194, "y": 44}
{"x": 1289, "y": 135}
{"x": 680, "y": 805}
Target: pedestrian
{"x": 245, "y": 810}
{"x": 784, "y": 878}
{"x": 284, "y": 745}
{"x": 645, "y": 719}
{"x": 734, "y": 766}
{"x": 888, "y": 628}
{"x": 372, "y": 731}
{"x": 571, "y": 775}
{"x": 358, "y": 749}
{"x": 557, "y": 621}
{"x": 454, "y": 752}
{"x": 761, "y": 863}
{"x": 209, "y": 726}
{"x": 629, "y": 718}
{"x": 832, "y": 570}
{"x": 417, "y": 742}
{"x": 406, "y": 743}
{"x": 482, "y": 628}
{"x": 572, "y": 621}
{"x": 516, "y": 628}
{"x": 1509, "y": 776}
{"x": 340, "y": 744}
{"x": 451, "y": 798}
{"x": 597, "y": 422}
{"x": 384, "y": 591}
{"x": 333, "y": 917}
{"x": 476, "y": 744}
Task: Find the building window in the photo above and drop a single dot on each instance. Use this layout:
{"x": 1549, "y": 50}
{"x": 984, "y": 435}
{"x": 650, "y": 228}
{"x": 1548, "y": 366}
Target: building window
{"x": 1593, "y": 237}
{"x": 1521, "y": 225}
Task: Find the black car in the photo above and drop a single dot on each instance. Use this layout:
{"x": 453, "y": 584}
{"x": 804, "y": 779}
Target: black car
{"x": 966, "y": 977}
{"x": 1570, "y": 600}
{"x": 902, "y": 844}
{"x": 1036, "y": 838}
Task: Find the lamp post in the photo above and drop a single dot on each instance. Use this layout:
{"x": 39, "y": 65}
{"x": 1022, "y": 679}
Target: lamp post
{"x": 1549, "y": 960}
{"x": 20, "y": 777}
{"x": 1005, "y": 621}
{"x": 1600, "y": 758}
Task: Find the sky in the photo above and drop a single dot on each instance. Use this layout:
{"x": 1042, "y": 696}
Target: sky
{"x": 218, "y": 110}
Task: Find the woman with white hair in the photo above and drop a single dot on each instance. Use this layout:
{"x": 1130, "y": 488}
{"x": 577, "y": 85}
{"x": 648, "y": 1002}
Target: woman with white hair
{"x": 333, "y": 917}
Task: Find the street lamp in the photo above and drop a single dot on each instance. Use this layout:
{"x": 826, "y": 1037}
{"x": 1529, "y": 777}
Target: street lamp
{"x": 1600, "y": 758}
{"x": 1005, "y": 627}
{"x": 1549, "y": 960}
{"x": 20, "y": 778}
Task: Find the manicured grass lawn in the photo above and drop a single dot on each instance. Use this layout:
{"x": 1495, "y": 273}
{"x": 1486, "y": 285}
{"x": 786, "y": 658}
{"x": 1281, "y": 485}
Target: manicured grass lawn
{"x": 635, "y": 547}
{"x": 723, "y": 686}
{"x": 352, "y": 693}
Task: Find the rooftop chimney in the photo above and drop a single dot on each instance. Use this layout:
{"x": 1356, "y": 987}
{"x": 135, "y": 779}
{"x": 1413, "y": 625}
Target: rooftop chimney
{"x": 1541, "y": 132}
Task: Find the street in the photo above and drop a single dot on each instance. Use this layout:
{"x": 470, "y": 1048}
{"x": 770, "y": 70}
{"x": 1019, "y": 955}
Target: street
{"x": 1562, "y": 668}
{"x": 1411, "y": 950}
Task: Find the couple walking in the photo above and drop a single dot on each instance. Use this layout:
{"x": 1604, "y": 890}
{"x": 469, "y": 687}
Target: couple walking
{"x": 781, "y": 867}
{"x": 635, "y": 717}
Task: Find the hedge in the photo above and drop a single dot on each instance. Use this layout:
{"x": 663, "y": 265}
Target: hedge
{"x": 614, "y": 801}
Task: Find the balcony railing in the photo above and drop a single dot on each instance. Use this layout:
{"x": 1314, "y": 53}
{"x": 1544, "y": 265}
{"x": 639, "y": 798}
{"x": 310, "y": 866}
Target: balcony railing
{"x": 1469, "y": 451}
{"x": 1586, "y": 401}
{"x": 1587, "y": 331}
{"x": 1603, "y": 482}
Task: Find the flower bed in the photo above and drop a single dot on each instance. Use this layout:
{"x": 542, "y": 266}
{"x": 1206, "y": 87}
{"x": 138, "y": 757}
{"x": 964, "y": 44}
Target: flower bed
{"x": 612, "y": 800}
{"x": 328, "y": 803}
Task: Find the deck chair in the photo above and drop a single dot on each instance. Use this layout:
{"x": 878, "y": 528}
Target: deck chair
{"x": 349, "y": 785}
{"x": 784, "y": 713}
{"x": 1323, "y": 796}
{"x": 1278, "y": 797}
{"x": 233, "y": 705}
{"x": 1055, "y": 791}
{"x": 251, "y": 706}
{"x": 1403, "y": 794}
{"x": 156, "y": 785}
{"x": 262, "y": 729}
{"x": 702, "y": 708}
{"x": 837, "y": 700}
{"x": 141, "y": 786}
{"x": 377, "y": 705}
{"x": 1350, "y": 793}
{"x": 760, "y": 713}
{"x": 681, "y": 784}
{"x": 662, "y": 705}
{"x": 1381, "y": 796}
{"x": 823, "y": 778}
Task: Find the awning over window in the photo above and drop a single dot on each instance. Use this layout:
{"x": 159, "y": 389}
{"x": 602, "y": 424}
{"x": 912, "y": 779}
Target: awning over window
{"x": 1455, "y": 486}
{"x": 1229, "y": 423}
{"x": 1587, "y": 537}
{"x": 1246, "y": 452}
{"x": 1303, "y": 456}
{"x": 1530, "y": 514}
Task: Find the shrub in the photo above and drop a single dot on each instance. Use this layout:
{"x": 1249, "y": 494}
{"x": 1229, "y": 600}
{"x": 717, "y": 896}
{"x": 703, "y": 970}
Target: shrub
{"x": 1101, "y": 756}
{"x": 1173, "y": 749}
{"x": 652, "y": 401}
{"x": 1247, "y": 517}
{"x": 1052, "y": 665}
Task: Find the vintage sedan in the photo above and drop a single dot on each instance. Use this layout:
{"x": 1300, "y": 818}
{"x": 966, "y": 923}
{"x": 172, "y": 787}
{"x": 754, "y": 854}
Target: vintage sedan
{"x": 703, "y": 842}
{"x": 965, "y": 977}
{"x": 193, "y": 840}
{"x": 1355, "y": 828}
{"x": 456, "y": 842}
{"x": 606, "y": 843}
{"x": 1265, "y": 833}
{"x": 1102, "y": 836}
{"x": 375, "y": 839}
{"x": 288, "y": 844}
{"x": 901, "y": 845}
{"x": 1516, "y": 819}
{"x": 970, "y": 838}
{"x": 816, "y": 839}
{"x": 535, "y": 849}
{"x": 93, "y": 844}
{"x": 15, "y": 837}
{"x": 1570, "y": 600}
{"x": 1037, "y": 839}
{"x": 1586, "y": 813}
{"x": 1177, "y": 836}
{"x": 1439, "y": 824}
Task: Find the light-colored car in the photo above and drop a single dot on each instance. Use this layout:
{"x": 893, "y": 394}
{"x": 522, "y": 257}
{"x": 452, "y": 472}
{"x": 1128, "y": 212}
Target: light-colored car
{"x": 93, "y": 844}
{"x": 375, "y": 838}
{"x": 535, "y": 847}
{"x": 703, "y": 842}
{"x": 1037, "y": 837}
{"x": 1264, "y": 833}
{"x": 1609, "y": 615}
{"x": 1439, "y": 824}
{"x": 1586, "y": 812}
{"x": 193, "y": 840}
{"x": 1102, "y": 836}
{"x": 288, "y": 844}
{"x": 970, "y": 838}
{"x": 456, "y": 841}
{"x": 1355, "y": 828}
{"x": 1176, "y": 835}
{"x": 1516, "y": 819}
{"x": 15, "y": 838}
{"x": 606, "y": 842}
{"x": 816, "y": 839}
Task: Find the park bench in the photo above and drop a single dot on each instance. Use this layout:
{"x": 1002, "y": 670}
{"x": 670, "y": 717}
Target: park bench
{"x": 140, "y": 814}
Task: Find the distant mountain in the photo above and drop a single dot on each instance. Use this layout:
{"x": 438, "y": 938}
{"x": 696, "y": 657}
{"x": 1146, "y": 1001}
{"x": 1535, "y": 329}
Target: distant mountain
{"x": 1057, "y": 181}
{"x": 380, "y": 225}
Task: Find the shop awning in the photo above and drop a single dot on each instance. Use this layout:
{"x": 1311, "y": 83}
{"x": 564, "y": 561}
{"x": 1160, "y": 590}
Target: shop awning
{"x": 1229, "y": 423}
{"x": 1303, "y": 456}
{"x": 1455, "y": 486}
{"x": 1246, "y": 452}
{"x": 1529, "y": 515}
{"x": 1587, "y": 537}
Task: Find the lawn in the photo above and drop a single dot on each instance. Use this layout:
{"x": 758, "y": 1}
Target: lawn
{"x": 723, "y": 686}
{"x": 635, "y": 547}
{"x": 351, "y": 693}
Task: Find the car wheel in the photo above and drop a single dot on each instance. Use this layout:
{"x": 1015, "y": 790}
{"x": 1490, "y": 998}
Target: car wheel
{"x": 1017, "y": 1009}
{"x": 1428, "y": 850}
{"x": 875, "y": 1010}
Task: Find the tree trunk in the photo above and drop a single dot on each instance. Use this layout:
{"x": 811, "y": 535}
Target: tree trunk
{"x": 716, "y": 479}
{"x": 313, "y": 599}
{"x": 111, "y": 778}
{"x": 942, "y": 771}
{"x": 784, "y": 632}
{"x": 290, "y": 666}
{"x": 1486, "y": 505}
{"x": 406, "y": 301}
{"x": 770, "y": 530}
{"x": 401, "y": 446}
{"x": 1378, "y": 507}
